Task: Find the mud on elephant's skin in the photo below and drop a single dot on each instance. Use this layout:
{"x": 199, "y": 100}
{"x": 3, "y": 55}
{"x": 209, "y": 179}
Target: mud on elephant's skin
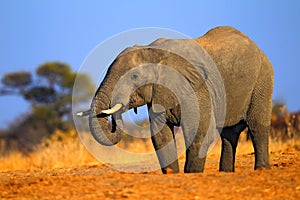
{"x": 247, "y": 77}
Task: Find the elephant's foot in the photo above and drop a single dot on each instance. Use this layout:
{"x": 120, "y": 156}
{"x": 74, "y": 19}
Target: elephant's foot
{"x": 262, "y": 163}
{"x": 171, "y": 169}
{"x": 195, "y": 165}
{"x": 262, "y": 168}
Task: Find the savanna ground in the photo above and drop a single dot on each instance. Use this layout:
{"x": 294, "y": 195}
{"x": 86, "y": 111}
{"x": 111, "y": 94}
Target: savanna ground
{"x": 65, "y": 170}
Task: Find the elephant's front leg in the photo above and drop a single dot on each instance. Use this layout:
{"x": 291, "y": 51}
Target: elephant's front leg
{"x": 196, "y": 155}
{"x": 197, "y": 144}
{"x": 164, "y": 143}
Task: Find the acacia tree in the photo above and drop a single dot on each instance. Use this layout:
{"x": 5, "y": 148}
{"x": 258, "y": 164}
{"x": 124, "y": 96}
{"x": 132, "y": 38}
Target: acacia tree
{"x": 49, "y": 92}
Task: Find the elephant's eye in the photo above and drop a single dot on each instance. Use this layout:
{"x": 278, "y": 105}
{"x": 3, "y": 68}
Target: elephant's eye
{"x": 134, "y": 76}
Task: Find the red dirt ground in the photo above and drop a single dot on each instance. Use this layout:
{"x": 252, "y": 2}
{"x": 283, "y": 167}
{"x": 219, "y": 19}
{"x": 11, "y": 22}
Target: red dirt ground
{"x": 102, "y": 182}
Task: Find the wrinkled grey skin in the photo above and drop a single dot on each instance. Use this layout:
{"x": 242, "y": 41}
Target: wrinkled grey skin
{"x": 248, "y": 79}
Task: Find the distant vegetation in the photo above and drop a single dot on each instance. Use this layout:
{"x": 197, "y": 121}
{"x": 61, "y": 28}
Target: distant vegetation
{"x": 285, "y": 125}
{"x": 49, "y": 92}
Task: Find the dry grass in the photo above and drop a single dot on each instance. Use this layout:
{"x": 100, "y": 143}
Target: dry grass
{"x": 55, "y": 152}
{"x": 66, "y": 150}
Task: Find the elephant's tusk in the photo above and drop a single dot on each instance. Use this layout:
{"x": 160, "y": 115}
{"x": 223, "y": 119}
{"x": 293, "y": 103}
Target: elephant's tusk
{"x": 113, "y": 109}
{"x": 108, "y": 111}
{"x": 84, "y": 113}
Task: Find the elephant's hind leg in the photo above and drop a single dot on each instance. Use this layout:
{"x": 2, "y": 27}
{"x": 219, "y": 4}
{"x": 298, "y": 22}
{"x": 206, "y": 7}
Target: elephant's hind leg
{"x": 230, "y": 137}
{"x": 259, "y": 132}
{"x": 259, "y": 136}
{"x": 259, "y": 118}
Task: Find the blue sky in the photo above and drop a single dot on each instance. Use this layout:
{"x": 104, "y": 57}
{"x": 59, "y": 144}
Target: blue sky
{"x": 32, "y": 32}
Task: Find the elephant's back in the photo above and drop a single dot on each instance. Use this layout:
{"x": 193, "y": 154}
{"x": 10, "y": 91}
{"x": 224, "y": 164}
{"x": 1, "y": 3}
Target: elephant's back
{"x": 239, "y": 61}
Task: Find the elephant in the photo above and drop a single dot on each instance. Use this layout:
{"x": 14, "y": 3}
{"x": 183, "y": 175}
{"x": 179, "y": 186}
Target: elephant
{"x": 225, "y": 85}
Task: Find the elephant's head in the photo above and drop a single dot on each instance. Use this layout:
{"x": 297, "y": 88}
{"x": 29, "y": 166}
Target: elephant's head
{"x": 161, "y": 73}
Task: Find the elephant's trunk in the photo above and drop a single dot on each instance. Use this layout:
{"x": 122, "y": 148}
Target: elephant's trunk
{"x": 103, "y": 131}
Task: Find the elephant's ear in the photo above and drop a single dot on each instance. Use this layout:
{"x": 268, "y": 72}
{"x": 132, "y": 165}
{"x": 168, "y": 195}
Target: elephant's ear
{"x": 177, "y": 80}
{"x": 183, "y": 67}
{"x": 163, "y": 98}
